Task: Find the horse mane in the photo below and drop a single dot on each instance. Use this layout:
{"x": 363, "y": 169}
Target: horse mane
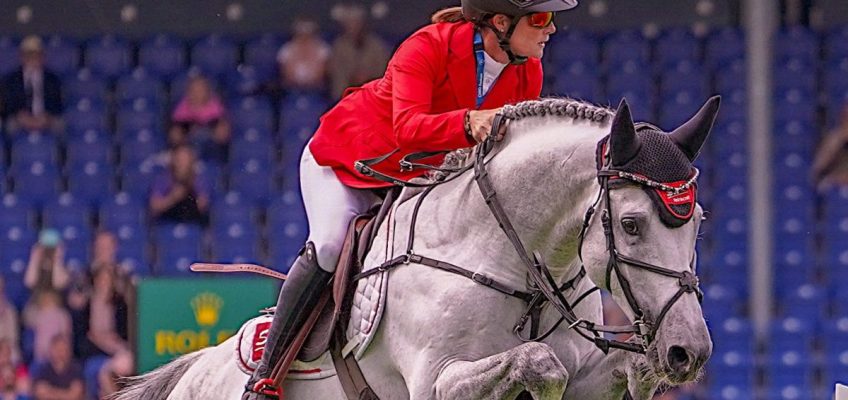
{"x": 578, "y": 110}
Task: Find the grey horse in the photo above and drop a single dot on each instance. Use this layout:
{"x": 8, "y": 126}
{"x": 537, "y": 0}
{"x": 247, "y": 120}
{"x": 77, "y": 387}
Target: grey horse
{"x": 443, "y": 336}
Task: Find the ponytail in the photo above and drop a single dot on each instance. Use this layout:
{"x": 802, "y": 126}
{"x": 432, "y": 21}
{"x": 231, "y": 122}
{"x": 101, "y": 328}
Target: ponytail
{"x": 452, "y": 14}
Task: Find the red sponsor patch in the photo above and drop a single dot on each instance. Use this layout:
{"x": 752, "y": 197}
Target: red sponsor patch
{"x": 680, "y": 205}
{"x": 260, "y": 337}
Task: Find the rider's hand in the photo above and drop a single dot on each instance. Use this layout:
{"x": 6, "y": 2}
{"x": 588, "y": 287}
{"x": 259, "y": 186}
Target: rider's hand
{"x": 480, "y": 122}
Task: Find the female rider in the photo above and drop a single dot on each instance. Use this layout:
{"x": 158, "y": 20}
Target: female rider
{"x": 428, "y": 100}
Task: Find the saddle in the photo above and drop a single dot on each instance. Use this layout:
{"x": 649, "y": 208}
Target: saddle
{"x": 325, "y": 324}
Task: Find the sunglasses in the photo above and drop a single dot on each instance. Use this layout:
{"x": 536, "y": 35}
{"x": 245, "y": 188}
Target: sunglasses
{"x": 541, "y": 19}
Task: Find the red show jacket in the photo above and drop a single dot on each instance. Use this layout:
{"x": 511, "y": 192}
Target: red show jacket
{"x": 418, "y": 105}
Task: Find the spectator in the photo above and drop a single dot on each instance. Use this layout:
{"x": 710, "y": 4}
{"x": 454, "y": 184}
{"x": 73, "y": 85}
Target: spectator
{"x": 14, "y": 378}
{"x": 358, "y": 55}
{"x": 303, "y": 60}
{"x": 10, "y": 326}
{"x": 32, "y": 95}
{"x": 179, "y": 194}
{"x": 830, "y": 166}
{"x": 110, "y": 376}
{"x": 61, "y": 376}
{"x": 200, "y": 118}
{"x": 46, "y": 318}
{"x": 46, "y": 268}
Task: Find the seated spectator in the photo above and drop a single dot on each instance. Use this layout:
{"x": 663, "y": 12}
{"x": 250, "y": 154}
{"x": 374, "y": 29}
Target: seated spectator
{"x": 830, "y": 166}
{"x": 179, "y": 194}
{"x": 10, "y": 327}
{"x": 46, "y": 268}
{"x": 201, "y": 119}
{"x": 303, "y": 60}
{"x": 31, "y": 96}
{"x": 358, "y": 55}
{"x": 47, "y": 319}
{"x": 98, "y": 302}
{"x": 61, "y": 376}
{"x": 14, "y": 378}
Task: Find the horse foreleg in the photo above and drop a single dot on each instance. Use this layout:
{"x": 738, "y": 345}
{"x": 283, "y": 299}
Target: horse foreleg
{"x": 531, "y": 367}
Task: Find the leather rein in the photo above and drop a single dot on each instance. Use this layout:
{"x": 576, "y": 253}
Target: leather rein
{"x": 543, "y": 286}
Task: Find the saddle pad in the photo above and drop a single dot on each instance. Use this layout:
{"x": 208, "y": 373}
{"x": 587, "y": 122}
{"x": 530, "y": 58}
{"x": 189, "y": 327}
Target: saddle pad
{"x": 250, "y": 345}
{"x": 369, "y": 299}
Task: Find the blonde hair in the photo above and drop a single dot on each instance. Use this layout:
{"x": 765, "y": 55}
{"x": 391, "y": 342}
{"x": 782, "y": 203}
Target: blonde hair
{"x": 451, "y": 14}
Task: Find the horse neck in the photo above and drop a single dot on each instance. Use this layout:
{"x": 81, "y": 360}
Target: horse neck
{"x": 545, "y": 176}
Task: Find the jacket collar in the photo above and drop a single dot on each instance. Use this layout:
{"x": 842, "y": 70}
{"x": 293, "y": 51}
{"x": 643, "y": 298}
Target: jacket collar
{"x": 462, "y": 73}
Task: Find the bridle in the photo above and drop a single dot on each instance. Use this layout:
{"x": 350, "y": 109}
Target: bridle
{"x": 544, "y": 287}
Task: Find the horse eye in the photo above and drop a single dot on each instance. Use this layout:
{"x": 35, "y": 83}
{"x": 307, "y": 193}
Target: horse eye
{"x": 630, "y": 226}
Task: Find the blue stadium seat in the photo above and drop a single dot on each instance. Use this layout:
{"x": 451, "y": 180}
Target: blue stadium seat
{"x": 163, "y": 56}
{"x": 734, "y": 367}
{"x": 235, "y": 242}
{"x": 286, "y": 229}
{"x": 797, "y": 136}
{"x": 72, "y": 219}
{"x": 796, "y": 41}
{"x": 34, "y": 148}
{"x": 89, "y": 136}
{"x": 251, "y": 113}
{"x": 139, "y": 85}
{"x": 83, "y": 116}
{"x": 15, "y": 213}
{"x": 139, "y": 146}
{"x": 141, "y": 114}
{"x": 120, "y": 210}
{"x": 244, "y": 80}
{"x": 61, "y": 55}
{"x": 724, "y": 46}
{"x": 680, "y": 106}
{"x": 251, "y": 147}
{"x": 789, "y": 375}
{"x": 91, "y": 183}
{"x": 9, "y": 55}
{"x": 575, "y": 46}
{"x": 791, "y": 333}
{"x": 836, "y": 42}
{"x": 84, "y": 85}
{"x": 261, "y": 54}
{"x": 177, "y": 246}
{"x": 625, "y": 46}
{"x": 233, "y": 208}
{"x": 720, "y": 391}
{"x": 137, "y": 179}
{"x": 125, "y": 216}
{"x": 300, "y": 111}
{"x": 794, "y": 103}
{"x": 15, "y": 245}
{"x": 631, "y": 82}
{"x": 578, "y": 80}
{"x": 37, "y": 184}
{"x": 795, "y": 72}
{"x": 676, "y": 45}
{"x": 108, "y": 56}
{"x": 215, "y": 55}
{"x": 807, "y": 299}
{"x": 253, "y": 180}
{"x": 83, "y": 152}
{"x": 683, "y": 75}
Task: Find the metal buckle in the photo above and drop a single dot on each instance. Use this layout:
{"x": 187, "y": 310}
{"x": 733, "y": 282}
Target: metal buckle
{"x": 481, "y": 279}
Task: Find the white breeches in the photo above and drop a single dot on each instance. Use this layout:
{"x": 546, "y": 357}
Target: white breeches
{"x": 330, "y": 206}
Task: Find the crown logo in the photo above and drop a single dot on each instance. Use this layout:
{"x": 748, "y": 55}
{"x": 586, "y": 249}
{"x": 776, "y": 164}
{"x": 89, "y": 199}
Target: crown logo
{"x": 206, "y": 308}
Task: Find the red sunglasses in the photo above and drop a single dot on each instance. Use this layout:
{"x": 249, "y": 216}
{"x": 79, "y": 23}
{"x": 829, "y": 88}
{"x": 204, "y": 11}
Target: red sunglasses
{"x": 541, "y": 19}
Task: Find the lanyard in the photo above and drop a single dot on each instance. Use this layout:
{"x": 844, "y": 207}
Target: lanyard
{"x": 478, "y": 52}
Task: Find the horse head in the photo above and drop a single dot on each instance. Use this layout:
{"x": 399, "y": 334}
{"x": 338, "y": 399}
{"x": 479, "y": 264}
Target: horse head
{"x": 640, "y": 244}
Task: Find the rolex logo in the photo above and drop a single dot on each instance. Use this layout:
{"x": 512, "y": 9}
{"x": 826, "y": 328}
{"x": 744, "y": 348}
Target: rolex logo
{"x": 206, "y": 308}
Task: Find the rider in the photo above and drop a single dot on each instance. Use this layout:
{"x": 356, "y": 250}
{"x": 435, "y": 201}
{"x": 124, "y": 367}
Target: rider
{"x": 428, "y": 100}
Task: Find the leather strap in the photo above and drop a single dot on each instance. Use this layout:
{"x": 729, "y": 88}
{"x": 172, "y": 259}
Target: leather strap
{"x": 278, "y": 374}
{"x": 257, "y": 269}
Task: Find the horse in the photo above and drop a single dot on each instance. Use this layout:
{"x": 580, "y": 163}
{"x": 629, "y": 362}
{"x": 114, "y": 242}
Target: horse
{"x": 438, "y": 334}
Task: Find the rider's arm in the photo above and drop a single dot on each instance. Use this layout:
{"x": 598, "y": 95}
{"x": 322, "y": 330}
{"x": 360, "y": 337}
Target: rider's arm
{"x": 416, "y": 66}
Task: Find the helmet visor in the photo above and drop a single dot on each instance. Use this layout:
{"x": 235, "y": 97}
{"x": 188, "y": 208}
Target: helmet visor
{"x": 541, "y": 19}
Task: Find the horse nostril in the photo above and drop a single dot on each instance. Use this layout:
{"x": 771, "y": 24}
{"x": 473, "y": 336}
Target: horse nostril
{"x": 678, "y": 358}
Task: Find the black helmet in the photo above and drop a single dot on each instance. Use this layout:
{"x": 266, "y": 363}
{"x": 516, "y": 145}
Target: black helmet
{"x": 478, "y": 12}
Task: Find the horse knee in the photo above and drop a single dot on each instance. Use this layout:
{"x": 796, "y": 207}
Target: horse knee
{"x": 540, "y": 370}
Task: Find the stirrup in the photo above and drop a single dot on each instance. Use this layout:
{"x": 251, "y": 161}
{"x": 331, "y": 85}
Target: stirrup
{"x": 266, "y": 387}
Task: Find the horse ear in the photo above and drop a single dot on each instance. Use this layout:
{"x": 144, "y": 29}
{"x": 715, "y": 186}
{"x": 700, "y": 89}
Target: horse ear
{"x": 624, "y": 144}
{"x": 690, "y": 136}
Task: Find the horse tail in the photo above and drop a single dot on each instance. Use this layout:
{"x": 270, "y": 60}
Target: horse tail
{"x": 156, "y": 384}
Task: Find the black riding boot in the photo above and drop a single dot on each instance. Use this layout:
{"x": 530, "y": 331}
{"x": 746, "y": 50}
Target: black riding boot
{"x": 298, "y": 297}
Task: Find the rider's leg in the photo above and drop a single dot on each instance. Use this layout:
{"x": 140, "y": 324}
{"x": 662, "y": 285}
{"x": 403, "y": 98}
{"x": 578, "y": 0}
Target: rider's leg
{"x": 330, "y": 205}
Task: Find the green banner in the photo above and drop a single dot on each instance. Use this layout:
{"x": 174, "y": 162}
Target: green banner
{"x": 178, "y": 316}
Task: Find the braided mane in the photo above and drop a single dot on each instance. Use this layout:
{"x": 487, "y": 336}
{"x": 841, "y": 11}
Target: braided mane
{"x": 564, "y": 107}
